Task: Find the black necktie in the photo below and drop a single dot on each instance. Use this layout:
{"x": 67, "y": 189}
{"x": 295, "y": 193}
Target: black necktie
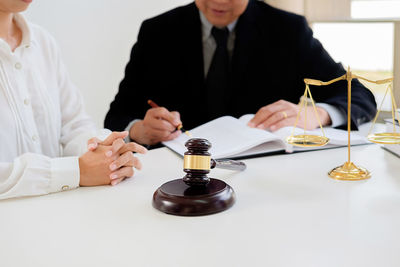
{"x": 217, "y": 81}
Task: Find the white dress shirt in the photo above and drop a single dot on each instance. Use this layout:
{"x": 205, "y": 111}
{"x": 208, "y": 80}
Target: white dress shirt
{"x": 44, "y": 127}
{"x": 209, "y": 43}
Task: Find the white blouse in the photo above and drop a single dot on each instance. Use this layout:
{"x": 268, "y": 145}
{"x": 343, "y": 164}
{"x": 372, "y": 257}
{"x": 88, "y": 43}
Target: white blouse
{"x": 44, "y": 127}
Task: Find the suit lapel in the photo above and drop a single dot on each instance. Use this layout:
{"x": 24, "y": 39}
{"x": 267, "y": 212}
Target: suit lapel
{"x": 193, "y": 48}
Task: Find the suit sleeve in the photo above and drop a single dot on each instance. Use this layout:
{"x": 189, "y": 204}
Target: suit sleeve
{"x": 130, "y": 102}
{"x": 318, "y": 64}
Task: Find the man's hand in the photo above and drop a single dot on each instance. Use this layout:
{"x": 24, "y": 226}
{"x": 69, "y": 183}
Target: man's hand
{"x": 158, "y": 125}
{"x": 283, "y": 113}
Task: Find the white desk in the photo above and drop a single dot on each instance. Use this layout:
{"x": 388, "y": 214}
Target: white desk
{"x": 288, "y": 213}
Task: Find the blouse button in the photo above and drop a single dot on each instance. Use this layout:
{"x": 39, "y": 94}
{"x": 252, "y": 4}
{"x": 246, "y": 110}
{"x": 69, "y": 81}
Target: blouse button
{"x": 65, "y": 187}
{"x": 34, "y": 138}
{"x": 18, "y": 66}
{"x": 26, "y": 101}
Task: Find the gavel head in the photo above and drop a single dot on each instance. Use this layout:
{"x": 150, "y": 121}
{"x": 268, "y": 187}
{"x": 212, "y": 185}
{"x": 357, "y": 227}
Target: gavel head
{"x": 196, "y": 162}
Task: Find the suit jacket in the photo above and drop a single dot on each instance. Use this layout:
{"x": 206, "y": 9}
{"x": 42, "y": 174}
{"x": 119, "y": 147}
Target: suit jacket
{"x": 274, "y": 51}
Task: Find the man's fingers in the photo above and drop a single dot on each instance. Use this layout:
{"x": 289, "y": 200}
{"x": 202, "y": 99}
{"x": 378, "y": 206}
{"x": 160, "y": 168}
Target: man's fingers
{"x": 177, "y": 117}
{"x": 267, "y": 111}
{"x": 173, "y": 135}
{"x": 165, "y": 114}
{"x": 279, "y": 116}
{"x": 159, "y": 124}
{"x": 158, "y": 135}
{"x": 283, "y": 123}
{"x": 263, "y": 114}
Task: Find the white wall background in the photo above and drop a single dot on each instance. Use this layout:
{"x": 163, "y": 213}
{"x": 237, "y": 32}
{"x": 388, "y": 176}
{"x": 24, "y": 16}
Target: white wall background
{"x": 95, "y": 37}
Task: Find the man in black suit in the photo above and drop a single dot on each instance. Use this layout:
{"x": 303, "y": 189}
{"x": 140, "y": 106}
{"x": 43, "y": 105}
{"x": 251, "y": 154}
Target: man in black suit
{"x": 229, "y": 57}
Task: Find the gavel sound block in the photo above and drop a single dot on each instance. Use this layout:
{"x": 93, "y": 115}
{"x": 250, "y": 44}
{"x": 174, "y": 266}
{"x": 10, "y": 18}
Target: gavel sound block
{"x": 196, "y": 194}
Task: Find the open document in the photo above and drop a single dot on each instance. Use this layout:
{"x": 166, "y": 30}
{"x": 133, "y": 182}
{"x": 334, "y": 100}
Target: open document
{"x": 232, "y": 138}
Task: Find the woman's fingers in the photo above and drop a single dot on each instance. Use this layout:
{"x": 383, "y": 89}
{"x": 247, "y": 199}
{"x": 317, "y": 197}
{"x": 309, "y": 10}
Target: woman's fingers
{"x": 92, "y": 143}
{"x": 133, "y": 147}
{"x": 116, "y": 181}
{"x": 115, "y": 147}
{"x": 122, "y": 173}
{"x": 119, "y": 147}
{"x": 126, "y": 159}
{"x": 114, "y": 136}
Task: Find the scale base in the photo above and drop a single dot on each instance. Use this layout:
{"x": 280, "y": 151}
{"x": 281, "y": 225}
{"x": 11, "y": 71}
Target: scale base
{"x": 177, "y": 198}
{"x": 349, "y": 172}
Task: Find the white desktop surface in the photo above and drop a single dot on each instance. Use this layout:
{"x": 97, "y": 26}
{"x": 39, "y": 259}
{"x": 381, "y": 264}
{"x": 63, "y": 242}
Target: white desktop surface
{"x": 288, "y": 212}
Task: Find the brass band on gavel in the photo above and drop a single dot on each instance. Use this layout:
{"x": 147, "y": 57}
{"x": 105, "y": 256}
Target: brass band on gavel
{"x": 197, "y": 162}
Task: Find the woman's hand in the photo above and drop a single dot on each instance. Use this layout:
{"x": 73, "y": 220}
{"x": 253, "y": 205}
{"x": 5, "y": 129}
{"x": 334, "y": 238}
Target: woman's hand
{"x": 121, "y": 160}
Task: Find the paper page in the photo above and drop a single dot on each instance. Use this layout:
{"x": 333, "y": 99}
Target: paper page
{"x": 336, "y": 137}
{"x": 228, "y": 136}
{"x": 269, "y": 147}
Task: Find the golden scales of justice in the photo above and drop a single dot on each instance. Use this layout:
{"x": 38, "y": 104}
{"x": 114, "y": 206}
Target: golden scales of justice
{"x": 348, "y": 171}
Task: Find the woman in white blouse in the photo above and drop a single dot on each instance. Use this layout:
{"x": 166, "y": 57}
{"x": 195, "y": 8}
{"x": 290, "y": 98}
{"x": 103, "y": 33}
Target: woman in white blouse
{"x": 44, "y": 129}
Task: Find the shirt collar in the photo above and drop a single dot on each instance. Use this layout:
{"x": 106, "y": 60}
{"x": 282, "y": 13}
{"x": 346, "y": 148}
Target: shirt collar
{"x": 207, "y": 26}
{"x": 26, "y": 31}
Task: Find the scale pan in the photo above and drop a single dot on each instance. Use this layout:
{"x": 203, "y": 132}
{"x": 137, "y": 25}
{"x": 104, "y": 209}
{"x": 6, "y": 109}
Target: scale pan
{"x": 306, "y": 140}
{"x": 385, "y": 138}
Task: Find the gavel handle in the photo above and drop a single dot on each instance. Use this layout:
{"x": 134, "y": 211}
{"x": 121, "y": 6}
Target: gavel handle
{"x": 228, "y": 164}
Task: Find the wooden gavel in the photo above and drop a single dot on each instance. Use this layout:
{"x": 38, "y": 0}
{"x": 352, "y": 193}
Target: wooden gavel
{"x": 198, "y": 162}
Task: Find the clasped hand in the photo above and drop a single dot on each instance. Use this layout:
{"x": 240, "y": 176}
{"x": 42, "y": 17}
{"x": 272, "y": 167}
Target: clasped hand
{"x": 109, "y": 161}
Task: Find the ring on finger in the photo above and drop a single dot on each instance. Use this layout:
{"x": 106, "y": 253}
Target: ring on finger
{"x": 284, "y": 114}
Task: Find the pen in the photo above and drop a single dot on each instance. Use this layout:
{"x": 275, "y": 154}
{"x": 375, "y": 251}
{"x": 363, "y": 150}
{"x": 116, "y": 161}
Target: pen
{"x": 179, "y": 127}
